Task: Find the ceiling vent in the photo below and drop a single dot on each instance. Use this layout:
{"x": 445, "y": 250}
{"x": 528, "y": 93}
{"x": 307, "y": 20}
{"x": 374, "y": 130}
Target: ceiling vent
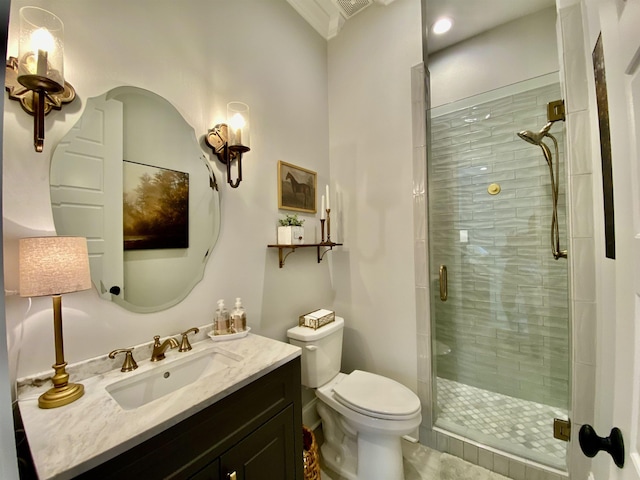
{"x": 329, "y": 16}
{"x": 349, "y": 8}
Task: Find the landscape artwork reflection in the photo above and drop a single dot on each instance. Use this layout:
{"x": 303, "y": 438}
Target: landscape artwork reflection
{"x": 155, "y": 207}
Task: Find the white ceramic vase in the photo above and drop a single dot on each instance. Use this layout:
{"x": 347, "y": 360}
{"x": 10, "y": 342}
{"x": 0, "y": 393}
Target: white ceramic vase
{"x": 290, "y": 235}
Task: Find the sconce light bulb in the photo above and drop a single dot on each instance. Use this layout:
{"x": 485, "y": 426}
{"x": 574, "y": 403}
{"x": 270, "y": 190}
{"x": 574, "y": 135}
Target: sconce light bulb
{"x": 237, "y": 121}
{"x": 41, "y": 39}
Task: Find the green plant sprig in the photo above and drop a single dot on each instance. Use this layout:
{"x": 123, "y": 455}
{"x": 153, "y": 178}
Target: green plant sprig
{"x": 290, "y": 221}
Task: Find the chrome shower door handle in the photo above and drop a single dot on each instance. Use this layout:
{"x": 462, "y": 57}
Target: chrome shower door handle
{"x": 443, "y": 283}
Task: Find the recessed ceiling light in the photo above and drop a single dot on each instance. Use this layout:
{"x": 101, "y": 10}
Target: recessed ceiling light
{"x": 442, "y": 25}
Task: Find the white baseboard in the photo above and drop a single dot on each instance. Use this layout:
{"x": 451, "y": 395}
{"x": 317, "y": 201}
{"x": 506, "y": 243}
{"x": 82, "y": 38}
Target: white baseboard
{"x": 413, "y": 437}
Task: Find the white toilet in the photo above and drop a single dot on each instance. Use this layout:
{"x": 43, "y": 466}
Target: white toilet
{"x": 364, "y": 415}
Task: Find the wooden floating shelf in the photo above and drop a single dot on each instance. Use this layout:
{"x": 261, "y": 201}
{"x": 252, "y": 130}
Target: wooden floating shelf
{"x": 326, "y": 245}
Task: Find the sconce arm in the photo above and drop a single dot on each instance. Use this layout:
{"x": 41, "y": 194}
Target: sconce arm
{"x": 37, "y": 102}
{"x": 217, "y": 140}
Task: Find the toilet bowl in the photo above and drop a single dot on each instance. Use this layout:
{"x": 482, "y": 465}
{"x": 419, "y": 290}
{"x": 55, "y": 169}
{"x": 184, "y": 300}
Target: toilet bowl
{"x": 364, "y": 415}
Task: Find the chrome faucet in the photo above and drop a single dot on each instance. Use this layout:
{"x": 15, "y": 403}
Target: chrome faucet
{"x": 160, "y": 348}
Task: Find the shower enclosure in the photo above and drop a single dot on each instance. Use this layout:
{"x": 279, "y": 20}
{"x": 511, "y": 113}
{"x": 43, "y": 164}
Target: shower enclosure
{"x": 499, "y": 299}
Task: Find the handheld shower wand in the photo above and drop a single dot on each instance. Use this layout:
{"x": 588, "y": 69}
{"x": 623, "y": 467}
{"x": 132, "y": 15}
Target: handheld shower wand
{"x": 536, "y": 139}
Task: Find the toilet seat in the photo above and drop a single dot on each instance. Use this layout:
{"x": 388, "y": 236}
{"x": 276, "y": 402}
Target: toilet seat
{"x": 376, "y": 396}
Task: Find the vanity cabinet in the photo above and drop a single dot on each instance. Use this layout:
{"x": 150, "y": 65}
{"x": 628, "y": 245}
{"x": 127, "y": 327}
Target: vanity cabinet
{"x": 260, "y": 456}
{"x": 255, "y": 432}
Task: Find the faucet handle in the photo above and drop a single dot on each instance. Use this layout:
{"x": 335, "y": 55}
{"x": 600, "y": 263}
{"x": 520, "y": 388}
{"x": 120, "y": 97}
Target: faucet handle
{"x": 129, "y": 362}
{"x": 185, "y": 346}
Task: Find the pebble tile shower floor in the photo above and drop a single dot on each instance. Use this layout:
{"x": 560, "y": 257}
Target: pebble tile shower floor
{"x": 521, "y": 427}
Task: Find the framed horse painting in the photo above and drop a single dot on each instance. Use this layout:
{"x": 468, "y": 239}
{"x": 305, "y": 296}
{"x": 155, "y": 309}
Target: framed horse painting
{"x": 296, "y": 188}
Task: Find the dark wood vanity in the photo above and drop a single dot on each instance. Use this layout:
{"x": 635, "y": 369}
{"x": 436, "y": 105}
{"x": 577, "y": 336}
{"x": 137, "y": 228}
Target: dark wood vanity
{"x": 255, "y": 432}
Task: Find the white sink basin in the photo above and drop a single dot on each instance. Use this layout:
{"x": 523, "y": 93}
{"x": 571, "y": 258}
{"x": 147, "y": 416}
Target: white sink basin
{"x": 164, "y": 378}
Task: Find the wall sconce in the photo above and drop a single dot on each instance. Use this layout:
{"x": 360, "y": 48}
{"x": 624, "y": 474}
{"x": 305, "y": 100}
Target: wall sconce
{"x": 53, "y": 266}
{"x": 36, "y": 77}
{"x": 230, "y": 140}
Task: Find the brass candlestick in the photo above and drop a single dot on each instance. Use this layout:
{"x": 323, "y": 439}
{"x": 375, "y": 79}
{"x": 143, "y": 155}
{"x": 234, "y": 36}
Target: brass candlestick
{"x": 322, "y": 220}
{"x": 328, "y": 210}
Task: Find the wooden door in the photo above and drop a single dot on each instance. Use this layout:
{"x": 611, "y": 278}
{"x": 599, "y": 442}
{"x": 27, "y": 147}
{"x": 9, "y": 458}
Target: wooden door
{"x": 618, "y": 380}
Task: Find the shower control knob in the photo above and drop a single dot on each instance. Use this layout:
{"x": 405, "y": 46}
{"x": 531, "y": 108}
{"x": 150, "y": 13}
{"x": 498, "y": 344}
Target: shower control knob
{"x": 591, "y": 444}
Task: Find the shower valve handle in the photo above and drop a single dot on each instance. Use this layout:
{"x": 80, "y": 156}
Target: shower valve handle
{"x": 591, "y": 444}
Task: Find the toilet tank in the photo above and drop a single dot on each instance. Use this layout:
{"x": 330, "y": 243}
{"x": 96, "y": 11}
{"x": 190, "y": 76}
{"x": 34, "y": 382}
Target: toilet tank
{"x": 321, "y": 351}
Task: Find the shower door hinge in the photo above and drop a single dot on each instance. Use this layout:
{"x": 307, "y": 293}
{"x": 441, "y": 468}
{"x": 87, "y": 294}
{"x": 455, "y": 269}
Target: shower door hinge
{"x": 555, "y": 111}
{"x": 562, "y": 429}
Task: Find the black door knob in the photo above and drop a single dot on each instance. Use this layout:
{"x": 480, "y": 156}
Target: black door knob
{"x": 115, "y": 290}
{"x": 591, "y": 443}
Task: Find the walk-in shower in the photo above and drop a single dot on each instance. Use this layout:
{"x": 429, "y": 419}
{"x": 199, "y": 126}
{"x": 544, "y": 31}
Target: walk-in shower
{"x": 500, "y": 328}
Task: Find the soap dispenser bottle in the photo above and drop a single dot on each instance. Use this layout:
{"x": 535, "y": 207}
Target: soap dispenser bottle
{"x": 238, "y": 317}
{"x": 221, "y": 320}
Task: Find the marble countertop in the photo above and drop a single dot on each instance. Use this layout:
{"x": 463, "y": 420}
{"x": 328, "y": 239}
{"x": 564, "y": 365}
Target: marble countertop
{"x": 72, "y": 439}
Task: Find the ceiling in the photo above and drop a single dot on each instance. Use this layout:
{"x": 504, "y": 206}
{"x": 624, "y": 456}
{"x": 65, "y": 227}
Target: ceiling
{"x": 470, "y": 17}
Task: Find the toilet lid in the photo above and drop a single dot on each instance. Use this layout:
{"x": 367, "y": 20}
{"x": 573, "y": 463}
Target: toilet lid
{"x": 376, "y": 396}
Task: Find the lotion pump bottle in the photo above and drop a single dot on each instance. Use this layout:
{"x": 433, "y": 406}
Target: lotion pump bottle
{"x": 221, "y": 320}
{"x": 238, "y": 317}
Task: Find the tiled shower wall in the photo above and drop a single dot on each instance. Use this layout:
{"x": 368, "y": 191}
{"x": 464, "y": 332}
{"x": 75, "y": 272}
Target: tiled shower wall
{"x": 505, "y": 323}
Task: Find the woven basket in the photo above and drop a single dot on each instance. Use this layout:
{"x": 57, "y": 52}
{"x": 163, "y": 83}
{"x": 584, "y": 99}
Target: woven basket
{"x": 310, "y": 453}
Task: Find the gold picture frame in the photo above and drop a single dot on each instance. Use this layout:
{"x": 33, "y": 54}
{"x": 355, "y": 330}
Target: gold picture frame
{"x": 297, "y": 188}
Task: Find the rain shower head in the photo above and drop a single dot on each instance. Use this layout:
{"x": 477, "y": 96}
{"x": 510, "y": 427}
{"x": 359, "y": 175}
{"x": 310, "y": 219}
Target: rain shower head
{"x": 535, "y": 138}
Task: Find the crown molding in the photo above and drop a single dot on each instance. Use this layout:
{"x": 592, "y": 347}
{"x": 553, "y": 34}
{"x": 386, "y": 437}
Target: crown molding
{"x": 324, "y": 15}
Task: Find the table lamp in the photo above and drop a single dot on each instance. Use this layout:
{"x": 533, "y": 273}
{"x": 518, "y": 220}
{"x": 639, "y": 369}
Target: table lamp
{"x": 53, "y": 266}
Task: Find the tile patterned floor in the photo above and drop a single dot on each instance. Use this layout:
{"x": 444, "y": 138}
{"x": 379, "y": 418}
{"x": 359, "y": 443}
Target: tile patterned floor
{"x": 518, "y": 426}
{"x": 420, "y": 463}
{"x": 423, "y": 463}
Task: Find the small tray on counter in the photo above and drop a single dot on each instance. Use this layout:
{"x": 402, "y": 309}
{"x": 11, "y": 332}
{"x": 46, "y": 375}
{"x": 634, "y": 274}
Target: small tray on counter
{"x": 228, "y": 336}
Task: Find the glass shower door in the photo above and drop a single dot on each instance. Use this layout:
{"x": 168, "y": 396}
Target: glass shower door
{"x": 500, "y": 316}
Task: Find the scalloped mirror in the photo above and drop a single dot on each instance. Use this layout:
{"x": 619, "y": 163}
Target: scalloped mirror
{"x": 132, "y": 156}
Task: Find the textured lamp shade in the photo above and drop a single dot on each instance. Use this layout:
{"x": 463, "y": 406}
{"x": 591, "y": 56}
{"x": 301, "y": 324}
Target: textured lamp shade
{"x": 53, "y": 265}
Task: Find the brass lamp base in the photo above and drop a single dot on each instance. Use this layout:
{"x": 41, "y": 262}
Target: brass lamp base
{"x": 63, "y": 392}
{"x": 59, "y": 396}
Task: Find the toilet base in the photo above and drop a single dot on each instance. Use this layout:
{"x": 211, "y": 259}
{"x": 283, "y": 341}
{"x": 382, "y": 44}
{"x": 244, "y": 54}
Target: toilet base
{"x": 380, "y": 457}
{"x": 359, "y": 455}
